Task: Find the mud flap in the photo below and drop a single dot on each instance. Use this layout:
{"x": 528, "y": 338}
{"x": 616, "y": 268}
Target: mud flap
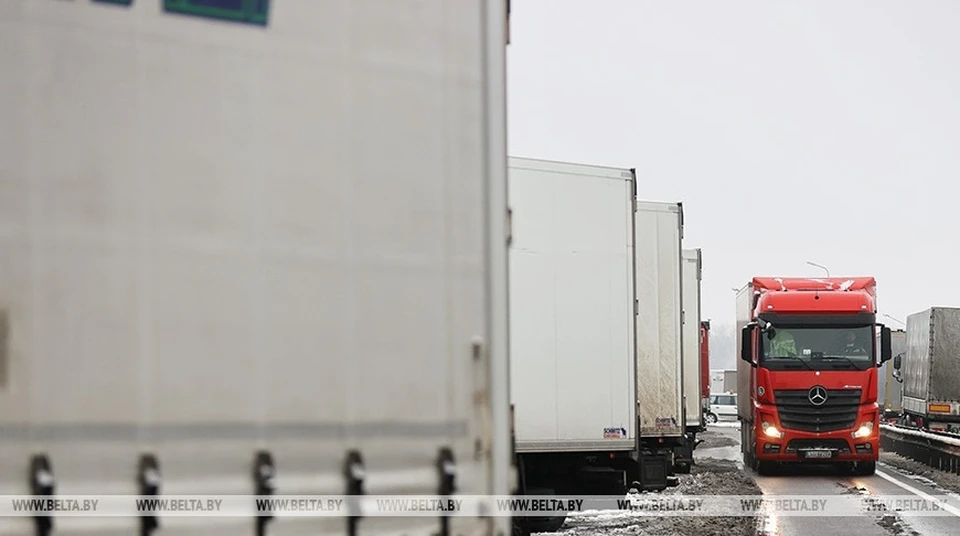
{"x": 654, "y": 472}
{"x": 683, "y": 455}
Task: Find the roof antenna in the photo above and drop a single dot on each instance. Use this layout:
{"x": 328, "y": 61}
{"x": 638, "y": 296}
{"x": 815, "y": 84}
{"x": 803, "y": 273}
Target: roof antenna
{"x": 824, "y": 268}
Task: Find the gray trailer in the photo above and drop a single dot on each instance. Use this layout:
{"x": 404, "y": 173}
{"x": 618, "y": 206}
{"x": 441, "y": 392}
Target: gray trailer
{"x": 930, "y": 369}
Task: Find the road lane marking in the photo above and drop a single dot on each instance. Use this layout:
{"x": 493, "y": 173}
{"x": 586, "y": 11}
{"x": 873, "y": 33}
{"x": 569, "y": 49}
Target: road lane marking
{"x": 894, "y": 470}
{"x": 917, "y": 492}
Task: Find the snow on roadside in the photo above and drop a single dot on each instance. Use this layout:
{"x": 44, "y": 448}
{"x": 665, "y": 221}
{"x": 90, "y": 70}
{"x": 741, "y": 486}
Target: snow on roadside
{"x": 952, "y": 441}
{"x": 709, "y": 476}
{"x": 724, "y": 424}
{"x": 921, "y": 472}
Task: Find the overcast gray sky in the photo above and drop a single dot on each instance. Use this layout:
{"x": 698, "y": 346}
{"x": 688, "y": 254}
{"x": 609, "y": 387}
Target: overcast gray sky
{"x": 813, "y": 130}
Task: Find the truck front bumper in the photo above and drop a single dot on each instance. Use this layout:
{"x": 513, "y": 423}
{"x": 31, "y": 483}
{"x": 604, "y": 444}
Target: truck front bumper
{"x": 859, "y": 443}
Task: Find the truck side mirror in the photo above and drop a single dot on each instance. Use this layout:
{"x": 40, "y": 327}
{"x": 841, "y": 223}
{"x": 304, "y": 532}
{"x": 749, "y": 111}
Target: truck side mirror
{"x": 886, "y": 352}
{"x": 746, "y": 343}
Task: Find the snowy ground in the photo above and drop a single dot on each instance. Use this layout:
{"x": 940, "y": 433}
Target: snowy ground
{"x": 713, "y": 440}
{"x": 710, "y": 476}
{"x": 724, "y": 424}
{"x": 719, "y": 472}
{"x": 921, "y": 472}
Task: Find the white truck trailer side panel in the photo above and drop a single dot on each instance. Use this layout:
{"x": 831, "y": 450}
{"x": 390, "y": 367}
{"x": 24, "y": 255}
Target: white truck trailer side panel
{"x": 659, "y": 231}
{"x": 716, "y": 381}
{"x": 730, "y": 379}
{"x": 744, "y": 312}
{"x": 217, "y": 238}
{"x": 724, "y": 381}
{"x": 693, "y": 408}
{"x": 571, "y": 306}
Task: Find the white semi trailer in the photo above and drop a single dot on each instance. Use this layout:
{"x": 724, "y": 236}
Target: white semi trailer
{"x": 693, "y": 403}
{"x": 659, "y": 236}
{"x": 573, "y": 331}
{"x": 252, "y": 248}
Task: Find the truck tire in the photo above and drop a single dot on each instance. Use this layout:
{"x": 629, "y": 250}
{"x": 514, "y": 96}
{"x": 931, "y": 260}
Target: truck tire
{"x": 765, "y": 467}
{"x": 539, "y": 524}
{"x": 865, "y": 468}
{"x": 530, "y": 525}
{"x": 519, "y": 529}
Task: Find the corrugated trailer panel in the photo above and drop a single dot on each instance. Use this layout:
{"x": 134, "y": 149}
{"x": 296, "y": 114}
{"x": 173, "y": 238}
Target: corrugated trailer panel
{"x": 932, "y": 363}
{"x": 571, "y": 307}
{"x": 916, "y": 362}
{"x": 217, "y": 238}
{"x": 945, "y": 360}
{"x": 659, "y": 335}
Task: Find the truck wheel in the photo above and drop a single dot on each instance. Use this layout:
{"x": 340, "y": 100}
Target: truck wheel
{"x": 530, "y": 525}
{"x": 519, "y": 529}
{"x": 865, "y": 468}
{"x": 545, "y": 524}
{"x": 765, "y": 467}
{"x": 683, "y": 468}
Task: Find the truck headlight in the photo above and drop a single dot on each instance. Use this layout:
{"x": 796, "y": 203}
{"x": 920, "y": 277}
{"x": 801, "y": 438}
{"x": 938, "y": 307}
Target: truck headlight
{"x": 770, "y": 430}
{"x": 864, "y": 431}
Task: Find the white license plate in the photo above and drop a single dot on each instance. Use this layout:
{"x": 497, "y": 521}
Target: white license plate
{"x": 818, "y": 454}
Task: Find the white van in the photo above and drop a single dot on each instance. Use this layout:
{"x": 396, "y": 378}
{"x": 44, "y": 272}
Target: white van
{"x": 723, "y": 406}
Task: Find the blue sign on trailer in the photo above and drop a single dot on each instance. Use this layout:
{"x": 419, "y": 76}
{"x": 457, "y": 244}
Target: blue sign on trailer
{"x": 248, "y": 11}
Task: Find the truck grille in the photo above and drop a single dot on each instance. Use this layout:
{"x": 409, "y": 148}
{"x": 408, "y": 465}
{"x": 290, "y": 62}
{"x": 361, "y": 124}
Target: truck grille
{"x": 837, "y": 413}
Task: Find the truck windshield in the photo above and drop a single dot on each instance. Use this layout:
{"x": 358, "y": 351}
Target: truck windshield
{"x": 820, "y": 348}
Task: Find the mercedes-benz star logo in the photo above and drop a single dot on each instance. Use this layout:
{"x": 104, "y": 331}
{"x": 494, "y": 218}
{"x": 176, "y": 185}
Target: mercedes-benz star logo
{"x": 817, "y": 395}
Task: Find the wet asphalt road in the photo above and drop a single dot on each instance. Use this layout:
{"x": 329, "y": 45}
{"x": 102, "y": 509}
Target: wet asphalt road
{"x": 825, "y": 480}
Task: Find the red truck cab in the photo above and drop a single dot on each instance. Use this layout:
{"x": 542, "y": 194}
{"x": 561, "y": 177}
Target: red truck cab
{"x": 808, "y": 372}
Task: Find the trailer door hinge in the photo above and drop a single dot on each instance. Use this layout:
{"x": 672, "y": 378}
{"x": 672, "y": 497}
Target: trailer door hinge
{"x": 481, "y": 402}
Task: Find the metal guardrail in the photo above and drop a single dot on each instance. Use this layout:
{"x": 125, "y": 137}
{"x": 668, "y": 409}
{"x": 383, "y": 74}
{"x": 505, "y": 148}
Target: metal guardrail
{"x": 940, "y": 451}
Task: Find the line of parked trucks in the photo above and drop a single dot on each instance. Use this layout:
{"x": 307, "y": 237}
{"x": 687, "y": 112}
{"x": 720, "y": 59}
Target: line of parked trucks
{"x": 607, "y": 370}
{"x": 266, "y": 249}
{"x": 317, "y": 271}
